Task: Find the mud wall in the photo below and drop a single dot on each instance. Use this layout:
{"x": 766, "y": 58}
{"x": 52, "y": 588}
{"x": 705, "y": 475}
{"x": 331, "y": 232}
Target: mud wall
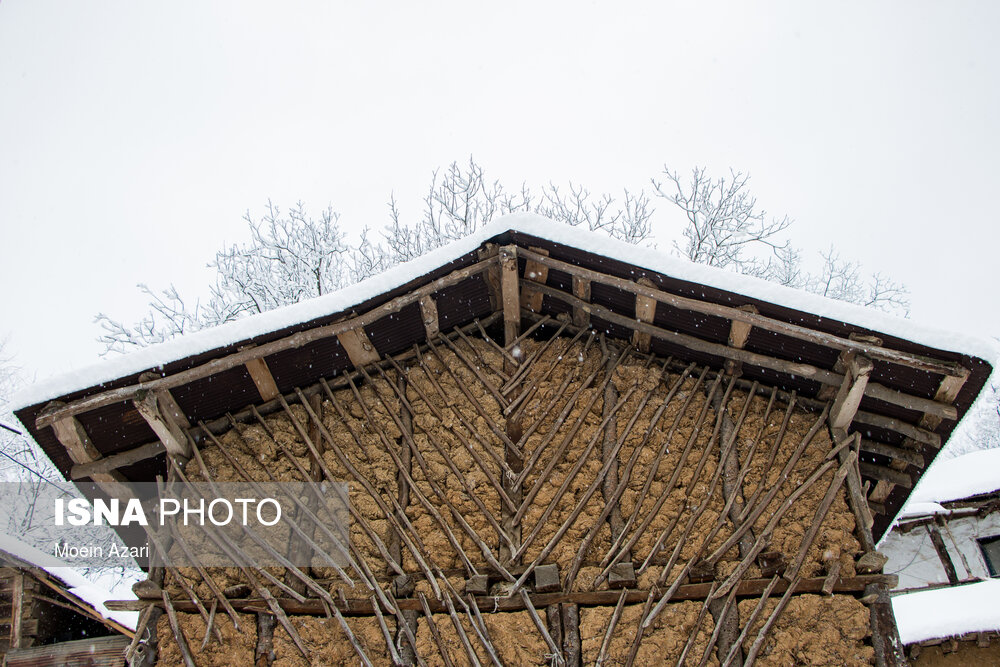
{"x": 672, "y": 495}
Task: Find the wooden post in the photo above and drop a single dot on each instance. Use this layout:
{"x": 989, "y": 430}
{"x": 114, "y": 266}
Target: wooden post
{"x": 581, "y": 290}
{"x": 851, "y": 391}
{"x": 16, "y": 610}
{"x": 510, "y": 294}
{"x": 534, "y": 272}
{"x": 262, "y": 378}
{"x": 645, "y": 311}
{"x": 885, "y": 635}
{"x": 429, "y": 315}
{"x": 511, "y": 301}
{"x": 739, "y": 331}
{"x": 359, "y": 349}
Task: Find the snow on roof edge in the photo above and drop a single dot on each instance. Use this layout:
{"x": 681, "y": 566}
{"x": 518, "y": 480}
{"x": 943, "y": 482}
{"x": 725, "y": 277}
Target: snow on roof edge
{"x": 947, "y": 612}
{"x": 965, "y": 476}
{"x": 598, "y": 243}
{"x": 75, "y": 583}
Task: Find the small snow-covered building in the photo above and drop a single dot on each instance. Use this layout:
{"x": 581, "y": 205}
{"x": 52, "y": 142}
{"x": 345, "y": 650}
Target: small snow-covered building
{"x": 560, "y": 449}
{"x": 51, "y": 616}
{"x": 945, "y": 549}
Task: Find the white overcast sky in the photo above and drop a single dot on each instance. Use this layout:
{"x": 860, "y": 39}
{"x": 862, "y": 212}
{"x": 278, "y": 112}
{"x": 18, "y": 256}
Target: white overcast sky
{"x": 133, "y": 136}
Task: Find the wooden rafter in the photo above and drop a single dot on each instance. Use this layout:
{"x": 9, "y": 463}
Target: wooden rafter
{"x": 359, "y": 348}
{"x": 262, "y": 378}
{"x": 164, "y": 416}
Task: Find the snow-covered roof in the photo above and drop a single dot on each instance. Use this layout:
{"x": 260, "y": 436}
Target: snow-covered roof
{"x": 75, "y": 583}
{"x": 964, "y": 476}
{"x": 948, "y": 612}
{"x": 598, "y": 243}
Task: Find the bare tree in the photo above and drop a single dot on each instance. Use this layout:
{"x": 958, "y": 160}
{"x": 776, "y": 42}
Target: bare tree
{"x": 724, "y": 226}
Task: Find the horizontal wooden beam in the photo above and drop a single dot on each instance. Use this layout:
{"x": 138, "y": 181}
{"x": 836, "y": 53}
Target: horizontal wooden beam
{"x": 746, "y": 588}
{"x": 49, "y": 415}
{"x": 769, "y": 324}
{"x": 887, "y": 474}
{"x": 115, "y": 461}
{"x": 752, "y": 358}
{"x": 894, "y": 453}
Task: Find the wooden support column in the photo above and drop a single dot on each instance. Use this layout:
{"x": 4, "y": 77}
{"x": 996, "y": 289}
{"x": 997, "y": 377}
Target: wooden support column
{"x": 492, "y": 275}
{"x": 17, "y": 610}
{"x": 645, "y": 311}
{"x": 947, "y": 392}
{"x": 534, "y": 272}
{"x": 845, "y": 406}
{"x": 581, "y": 290}
{"x": 739, "y": 331}
{"x": 511, "y": 301}
{"x": 942, "y": 552}
{"x": 429, "y": 316}
{"x": 359, "y": 349}
{"x": 262, "y": 378}
{"x": 404, "y": 585}
{"x": 885, "y": 634}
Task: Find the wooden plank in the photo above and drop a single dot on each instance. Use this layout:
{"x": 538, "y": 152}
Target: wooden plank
{"x": 581, "y": 290}
{"x": 166, "y": 427}
{"x": 895, "y": 453}
{"x": 262, "y": 378}
{"x": 362, "y": 606}
{"x": 885, "y": 634}
{"x": 429, "y": 316}
{"x": 760, "y": 321}
{"x": 534, "y": 273}
{"x": 645, "y": 311}
{"x": 17, "y": 612}
{"x": 943, "y": 555}
{"x": 53, "y": 412}
{"x": 359, "y": 349}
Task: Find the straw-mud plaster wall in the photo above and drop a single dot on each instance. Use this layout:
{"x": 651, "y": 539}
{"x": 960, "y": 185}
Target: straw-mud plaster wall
{"x": 569, "y": 404}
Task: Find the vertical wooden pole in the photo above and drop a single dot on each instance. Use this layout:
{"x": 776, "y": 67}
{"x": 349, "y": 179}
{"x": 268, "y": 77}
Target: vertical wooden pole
{"x": 510, "y": 296}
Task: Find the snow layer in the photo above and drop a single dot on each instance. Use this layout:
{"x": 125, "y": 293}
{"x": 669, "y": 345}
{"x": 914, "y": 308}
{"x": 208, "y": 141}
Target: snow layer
{"x": 946, "y": 612}
{"x": 921, "y": 509}
{"x": 597, "y": 243}
{"x": 961, "y": 477}
{"x": 77, "y": 584}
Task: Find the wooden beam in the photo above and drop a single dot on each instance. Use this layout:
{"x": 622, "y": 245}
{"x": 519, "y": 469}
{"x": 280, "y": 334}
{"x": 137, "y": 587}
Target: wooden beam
{"x": 359, "y": 348}
{"x": 363, "y": 606}
{"x": 429, "y": 316}
{"x": 70, "y": 432}
{"x": 845, "y": 405}
{"x": 510, "y": 293}
{"x": 645, "y": 311}
{"x": 162, "y": 419}
{"x": 48, "y": 416}
{"x": 764, "y": 361}
{"x": 534, "y": 273}
{"x": 896, "y": 477}
{"x": 115, "y": 461}
{"x": 261, "y": 376}
{"x": 581, "y": 290}
{"x": 760, "y": 321}
{"x": 739, "y": 331}
{"x": 894, "y": 453}
{"x": 946, "y": 393}
{"x": 17, "y": 611}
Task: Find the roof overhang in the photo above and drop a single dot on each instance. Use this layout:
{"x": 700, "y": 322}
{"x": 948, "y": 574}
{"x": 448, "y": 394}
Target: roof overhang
{"x": 920, "y": 384}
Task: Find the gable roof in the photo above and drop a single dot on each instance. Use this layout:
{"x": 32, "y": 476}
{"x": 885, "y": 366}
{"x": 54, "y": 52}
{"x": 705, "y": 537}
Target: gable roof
{"x": 794, "y": 342}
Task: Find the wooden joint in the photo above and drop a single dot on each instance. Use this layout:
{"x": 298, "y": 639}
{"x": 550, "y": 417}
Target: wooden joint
{"x": 163, "y": 415}
{"x": 852, "y": 390}
{"x": 359, "y": 348}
